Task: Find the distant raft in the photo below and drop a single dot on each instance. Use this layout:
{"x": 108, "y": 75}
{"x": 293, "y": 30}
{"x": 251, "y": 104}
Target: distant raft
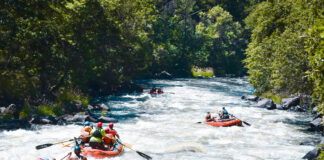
{"x": 224, "y": 122}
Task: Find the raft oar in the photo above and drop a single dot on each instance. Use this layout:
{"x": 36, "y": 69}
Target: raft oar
{"x": 242, "y": 120}
{"x": 128, "y": 146}
{"x": 246, "y": 123}
{"x": 67, "y": 145}
{"x": 65, "y": 156}
{"x": 50, "y": 144}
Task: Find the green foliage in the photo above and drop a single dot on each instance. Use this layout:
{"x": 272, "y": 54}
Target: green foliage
{"x": 58, "y": 109}
{"x": 44, "y": 109}
{"x": 321, "y": 155}
{"x": 103, "y": 113}
{"x": 277, "y": 58}
{"x": 6, "y": 116}
{"x": 94, "y": 46}
{"x": 186, "y": 36}
{"x": 66, "y": 97}
{"x": 315, "y": 49}
{"x": 205, "y": 72}
{"x": 220, "y": 36}
{"x": 26, "y": 111}
{"x": 274, "y": 97}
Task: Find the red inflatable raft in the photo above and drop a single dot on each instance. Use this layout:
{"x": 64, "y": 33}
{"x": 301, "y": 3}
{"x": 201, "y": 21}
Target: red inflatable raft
{"x": 224, "y": 122}
{"x": 159, "y": 91}
{"x": 101, "y": 154}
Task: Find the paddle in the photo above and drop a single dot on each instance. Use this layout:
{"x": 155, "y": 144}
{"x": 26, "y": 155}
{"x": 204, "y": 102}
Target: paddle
{"x": 128, "y": 146}
{"x": 242, "y": 121}
{"x": 50, "y": 144}
{"x": 65, "y": 156}
{"x": 67, "y": 145}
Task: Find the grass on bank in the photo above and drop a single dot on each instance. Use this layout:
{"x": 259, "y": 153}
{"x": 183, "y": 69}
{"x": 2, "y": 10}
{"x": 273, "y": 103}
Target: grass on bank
{"x": 63, "y": 104}
{"x": 205, "y": 72}
{"x": 274, "y": 97}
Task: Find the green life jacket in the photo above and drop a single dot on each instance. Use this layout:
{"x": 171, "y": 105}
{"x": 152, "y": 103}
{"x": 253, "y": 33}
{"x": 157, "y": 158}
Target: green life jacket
{"x": 95, "y": 139}
{"x": 97, "y": 134}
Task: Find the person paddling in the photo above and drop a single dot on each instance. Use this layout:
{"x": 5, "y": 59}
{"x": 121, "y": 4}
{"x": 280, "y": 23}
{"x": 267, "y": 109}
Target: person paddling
{"x": 76, "y": 155}
{"x": 153, "y": 90}
{"x": 160, "y": 91}
{"x": 85, "y": 133}
{"x": 112, "y": 131}
{"x": 225, "y": 114}
{"x": 208, "y": 117}
{"x": 220, "y": 114}
{"x": 96, "y": 137}
{"x": 111, "y": 134}
{"x": 85, "y": 136}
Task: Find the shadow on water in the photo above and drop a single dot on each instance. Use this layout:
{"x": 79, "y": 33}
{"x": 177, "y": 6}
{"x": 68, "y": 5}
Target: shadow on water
{"x": 295, "y": 122}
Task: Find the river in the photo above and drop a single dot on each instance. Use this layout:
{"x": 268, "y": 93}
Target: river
{"x": 165, "y": 126}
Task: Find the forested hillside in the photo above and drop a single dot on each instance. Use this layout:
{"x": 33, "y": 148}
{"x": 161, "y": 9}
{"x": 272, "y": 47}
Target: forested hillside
{"x": 285, "y": 55}
{"x": 53, "y": 52}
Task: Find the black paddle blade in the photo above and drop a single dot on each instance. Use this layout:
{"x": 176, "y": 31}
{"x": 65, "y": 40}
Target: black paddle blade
{"x": 247, "y": 123}
{"x": 198, "y": 122}
{"x": 144, "y": 155}
{"x": 43, "y": 146}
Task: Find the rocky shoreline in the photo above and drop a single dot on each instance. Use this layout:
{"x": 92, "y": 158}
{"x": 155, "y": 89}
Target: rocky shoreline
{"x": 296, "y": 104}
{"x": 78, "y": 117}
{"x": 76, "y": 113}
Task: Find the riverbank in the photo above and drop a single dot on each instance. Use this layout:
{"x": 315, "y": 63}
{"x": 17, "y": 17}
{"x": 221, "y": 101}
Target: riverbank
{"x": 295, "y": 104}
{"x": 68, "y": 107}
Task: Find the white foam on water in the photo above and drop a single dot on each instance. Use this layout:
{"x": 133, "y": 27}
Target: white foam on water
{"x": 166, "y": 128}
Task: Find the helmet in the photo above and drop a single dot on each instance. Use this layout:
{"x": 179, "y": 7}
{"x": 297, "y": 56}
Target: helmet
{"x": 99, "y": 124}
{"x": 86, "y": 123}
{"x": 77, "y": 148}
{"x": 87, "y": 129}
{"x": 111, "y": 125}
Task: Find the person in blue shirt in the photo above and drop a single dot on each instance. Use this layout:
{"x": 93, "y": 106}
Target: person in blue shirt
{"x": 225, "y": 114}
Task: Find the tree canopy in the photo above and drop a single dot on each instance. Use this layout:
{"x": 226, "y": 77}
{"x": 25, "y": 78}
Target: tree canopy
{"x": 52, "y": 49}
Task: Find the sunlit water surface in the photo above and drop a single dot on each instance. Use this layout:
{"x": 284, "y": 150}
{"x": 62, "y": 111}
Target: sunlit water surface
{"x": 165, "y": 126}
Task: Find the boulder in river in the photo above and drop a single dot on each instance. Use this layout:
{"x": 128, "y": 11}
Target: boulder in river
{"x": 90, "y": 107}
{"x": 38, "y": 119}
{"x": 164, "y": 75}
{"x": 312, "y": 155}
{"x": 2, "y": 109}
{"x": 286, "y": 103}
{"x": 62, "y": 120}
{"x": 8, "y": 110}
{"x": 77, "y": 104}
{"x": 297, "y": 108}
{"x": 107, "y": 119}
{"x": 265, "y": 103}
{"x": 250, "y": 97}
{"x": 83, "y": 118}
{"x": 316, "y": 124}
{"x": 314, "y": 110}
{"x": 103, "y": 106}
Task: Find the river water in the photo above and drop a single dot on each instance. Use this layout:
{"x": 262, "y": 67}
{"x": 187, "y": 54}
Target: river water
{"x": 165, "y": 126}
